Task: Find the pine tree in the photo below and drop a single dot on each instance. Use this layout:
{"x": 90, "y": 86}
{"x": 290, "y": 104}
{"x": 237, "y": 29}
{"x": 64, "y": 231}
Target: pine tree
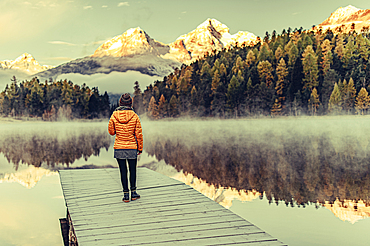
{"x": 330, "y": 78}
{"x": 233, "y": 93}
{"x": 362, "y": 101}
{"x": 173, "y": 106}
{"x": 293, "y": 55}
{"x": 137, "y": 102}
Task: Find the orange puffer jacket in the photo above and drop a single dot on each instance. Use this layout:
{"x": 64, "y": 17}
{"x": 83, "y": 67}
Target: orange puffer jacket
{"x": 125, "y": 124}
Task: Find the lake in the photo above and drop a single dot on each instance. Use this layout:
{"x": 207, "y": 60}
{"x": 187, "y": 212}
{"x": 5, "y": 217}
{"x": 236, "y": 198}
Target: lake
{"x": 305, "y": 181}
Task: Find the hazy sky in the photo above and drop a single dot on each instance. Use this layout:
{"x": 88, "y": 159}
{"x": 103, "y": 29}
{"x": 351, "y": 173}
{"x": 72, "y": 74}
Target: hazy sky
{"x": 56, "y": 31}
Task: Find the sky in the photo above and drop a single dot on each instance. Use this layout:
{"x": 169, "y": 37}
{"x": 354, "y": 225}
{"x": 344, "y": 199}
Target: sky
{"x": 57, "y": 31}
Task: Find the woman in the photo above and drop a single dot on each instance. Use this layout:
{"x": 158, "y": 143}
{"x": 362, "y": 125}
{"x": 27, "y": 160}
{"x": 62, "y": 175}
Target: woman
{"x": 128, "y": 144}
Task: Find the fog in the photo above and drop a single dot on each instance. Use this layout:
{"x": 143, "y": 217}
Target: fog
{"x": 114, "y": 82}
{"x": 268, "y": 130}
{"x": 295, "y": 160}
{"x": 304, "y": 159}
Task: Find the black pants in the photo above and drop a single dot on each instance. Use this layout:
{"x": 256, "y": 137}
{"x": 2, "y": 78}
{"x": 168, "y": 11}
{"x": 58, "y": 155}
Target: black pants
{"x": 123, "y": 170}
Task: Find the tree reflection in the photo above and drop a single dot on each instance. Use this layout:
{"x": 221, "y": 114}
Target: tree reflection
{"x": 36, "y": 148}
{"x": 294, "y": 168}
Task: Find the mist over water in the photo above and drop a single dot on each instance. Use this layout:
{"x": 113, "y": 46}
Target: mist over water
{"x": 301, "y": 162}
{"x": 295, "y": 160}
{"x": 51, "y": 144}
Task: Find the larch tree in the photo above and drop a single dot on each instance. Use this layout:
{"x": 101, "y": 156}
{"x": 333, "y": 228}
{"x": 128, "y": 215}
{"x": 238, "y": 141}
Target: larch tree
{"x": 314, "y": 101}
{"x": 349, "y": 96}
{"x": 282, "y": 73}
{"x": 153, "y": 108}
{"x": 310, "y": 68}
{"x": 265, "y": 72}
{"x": 335, "y": 101}
{"x": 162, "y": 107}
{"x": 339, "y": 47}
{"x": 251, "y": 58}
{"x": 362, "y": 101}
{"x": 276, "y": 108}
{"x": 279, "y": 53}
{"x": 327, "y": 56}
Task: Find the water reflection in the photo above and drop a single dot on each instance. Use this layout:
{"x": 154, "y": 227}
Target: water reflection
{"x": 51, "y": 144}
{"x": 322, "y": 169}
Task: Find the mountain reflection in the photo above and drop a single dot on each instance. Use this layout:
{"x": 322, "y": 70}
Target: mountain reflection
{"x": 52, "y": 146}
{"x": 291, "y": 167}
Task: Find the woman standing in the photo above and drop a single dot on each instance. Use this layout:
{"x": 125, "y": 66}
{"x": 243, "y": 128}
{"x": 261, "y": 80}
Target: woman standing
{"x": 128, "y": 143}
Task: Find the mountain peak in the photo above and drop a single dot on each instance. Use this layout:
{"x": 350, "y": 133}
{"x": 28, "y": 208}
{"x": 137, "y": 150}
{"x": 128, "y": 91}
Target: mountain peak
{"x": 25, "y": 63}
{"x": 213, "y": 24}
{"x": 345, "y": 17}
{"x": 134, "y": 41}
{"x": 340, "y": 15}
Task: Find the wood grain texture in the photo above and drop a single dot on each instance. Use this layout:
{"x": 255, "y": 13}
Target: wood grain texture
{"x": 168, "y": 212}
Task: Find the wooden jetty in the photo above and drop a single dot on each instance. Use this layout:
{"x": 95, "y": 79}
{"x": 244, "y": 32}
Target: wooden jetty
{"x": 169, "y": 212}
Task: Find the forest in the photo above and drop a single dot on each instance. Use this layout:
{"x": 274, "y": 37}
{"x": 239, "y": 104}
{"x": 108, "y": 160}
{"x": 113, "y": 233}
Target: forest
{"x": 300, "y": 72}
{"x": 53, "y": 100}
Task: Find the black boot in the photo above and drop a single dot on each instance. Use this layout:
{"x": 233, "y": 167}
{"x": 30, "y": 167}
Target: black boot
{"x": 126, "y": 197}
{"x": 134, "y": 195}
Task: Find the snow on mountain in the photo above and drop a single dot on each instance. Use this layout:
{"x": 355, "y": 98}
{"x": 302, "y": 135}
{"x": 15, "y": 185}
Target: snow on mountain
{"x": 24, "y": 63}
{"x": 133, "y": 42}
{"x": 135, "y": 50}
{"x": 344, "y": 18}
{"x": 208, "y": 36}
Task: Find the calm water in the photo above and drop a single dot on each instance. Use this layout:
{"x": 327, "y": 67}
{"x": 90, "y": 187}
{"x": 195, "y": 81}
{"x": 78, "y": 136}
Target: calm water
{"x": 304, "y": 181}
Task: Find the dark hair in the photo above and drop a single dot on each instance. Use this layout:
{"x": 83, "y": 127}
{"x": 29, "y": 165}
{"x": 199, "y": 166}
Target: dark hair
{"x": 125, "y": 100}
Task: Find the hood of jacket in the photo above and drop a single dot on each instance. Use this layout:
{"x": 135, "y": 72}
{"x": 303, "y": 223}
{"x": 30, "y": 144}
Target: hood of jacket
{"x": 124, "y": 116}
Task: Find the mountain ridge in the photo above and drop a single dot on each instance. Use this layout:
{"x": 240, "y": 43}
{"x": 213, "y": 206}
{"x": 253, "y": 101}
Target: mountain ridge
{"x": 344, "y": 17}
{"x": 136, "y": 50}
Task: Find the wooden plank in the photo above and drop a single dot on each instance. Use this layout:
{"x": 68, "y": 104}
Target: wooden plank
{"x": 168, "y": 212}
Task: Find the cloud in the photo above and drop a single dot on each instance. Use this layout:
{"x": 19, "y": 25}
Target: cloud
{"x": 123, "y": 4}
{"x": 184, "y": 12}
{"x": 61, "y": 42}
{"x": 104, "y": 6}
{"x": 87, "y": 7}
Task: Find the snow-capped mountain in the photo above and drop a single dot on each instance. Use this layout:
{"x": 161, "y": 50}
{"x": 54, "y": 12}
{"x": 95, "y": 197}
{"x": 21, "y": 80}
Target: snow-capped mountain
{"x": 24, "y": 63}
{"x": 344, "y": 18}
{"x": 208, "y": 36}
{"x": 133, "y": 42}
{"x": 135, "y": 50}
